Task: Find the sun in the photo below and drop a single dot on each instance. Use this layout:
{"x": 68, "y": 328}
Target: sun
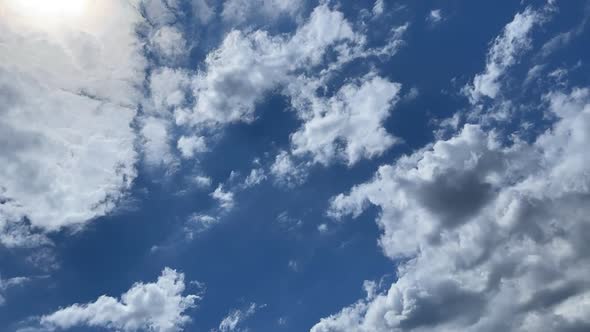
{"x": 49, "y": 9}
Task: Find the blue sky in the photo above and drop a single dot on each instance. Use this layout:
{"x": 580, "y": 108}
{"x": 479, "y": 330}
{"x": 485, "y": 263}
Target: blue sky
{"x": 268, "y": 165}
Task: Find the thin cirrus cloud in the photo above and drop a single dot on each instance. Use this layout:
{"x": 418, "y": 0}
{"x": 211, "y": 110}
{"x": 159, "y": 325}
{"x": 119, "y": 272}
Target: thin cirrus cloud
{"x": 505, "y": 52}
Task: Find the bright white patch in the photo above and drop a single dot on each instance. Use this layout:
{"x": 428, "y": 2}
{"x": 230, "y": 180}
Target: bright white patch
{"x": 50, "y": 8}
{"x": 65, "y": 123}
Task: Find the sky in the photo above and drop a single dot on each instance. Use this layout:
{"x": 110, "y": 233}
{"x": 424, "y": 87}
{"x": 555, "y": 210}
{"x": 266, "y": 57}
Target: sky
{"x": 294, "y": 165}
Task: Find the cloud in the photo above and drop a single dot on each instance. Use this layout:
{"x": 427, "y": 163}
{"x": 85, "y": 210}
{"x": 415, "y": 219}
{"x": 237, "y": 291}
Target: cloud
{"x": 199, "y": 223}
{"x": 286, "y": 172}
{"x": 378, "y": 7}
{"x": 224, "y": 198}
{"x": 169, "y": 43}
{"x": 486, "y": 236}
{"x": 248, "y": 65}
{"x": 191, "y": 145}
{"x": 155, "y": 138}
{"x": 233, "y": 320}
{"x": 349, "y": 125}
{"x": 158, "y": 307}
{"x": 241, "y": 11}
{"x": 256, "y": 176}
{"x": 435, "y": 16}
{"x": 563, "y": 39}
{"x": 65, "y": 130}
{"x": 160, "y": 12}
{"x": 504, "y": 53}
{"x": 202, "y": 181}
{"x": 203, "y": 10}
{"x": 5, "y": 284}
{"x": 168, "y": 89}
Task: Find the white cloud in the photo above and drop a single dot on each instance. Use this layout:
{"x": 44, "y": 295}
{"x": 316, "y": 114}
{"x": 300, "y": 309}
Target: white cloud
{"x": 248, "y": 65}
{"x": 224, "y": 198}
{"x": 349, "y": 125}
{"x": 435, "y": 16}
{"x": 242, "y": 11}
{"x": 233, "y": 320}
{"x": 157, "y": 307}
{"x": 202, "y": 181}
{"x": 286, "y": 171}
{"x": 66, "y": 133}
{"x": 504, "y": 53}
{"x": 191, "y": 145}
{"x": 160, "y": 12}
{"x": 156, "y": 141}
{"x": 203, "y": 10}
{"x": 256, "y": 176}
{"x": 168, "y": 89}
{"x": 564, "y": 38}
{"x": 199, "y": 223}
{"x": 378, "y": 7}
{"x": 492, "y": 237}
{"x": 169, "y": 43}
{"x": 5, "y": 284}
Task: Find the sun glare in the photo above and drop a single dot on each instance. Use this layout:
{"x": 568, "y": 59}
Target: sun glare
{"x": 50, "y": 9}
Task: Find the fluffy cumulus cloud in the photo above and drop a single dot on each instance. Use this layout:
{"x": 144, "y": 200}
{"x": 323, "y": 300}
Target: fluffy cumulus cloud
{"x": 248, "y": 65}
{"x": 505, "y": 52}
{"x": 65, "y": 123}
{"x": 191, "y": 145}
{"x": 489, "y": 237}
{"x": 349, "y": 125}
{"x": 157, "y": 307}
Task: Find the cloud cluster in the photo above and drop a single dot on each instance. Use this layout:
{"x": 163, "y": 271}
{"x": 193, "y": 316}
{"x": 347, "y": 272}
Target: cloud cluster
{"x": 246, "y": 66}
{"x": 157, "y": 307}
{"x": 249, "y": 65}
{"x": 488, "y": 237}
